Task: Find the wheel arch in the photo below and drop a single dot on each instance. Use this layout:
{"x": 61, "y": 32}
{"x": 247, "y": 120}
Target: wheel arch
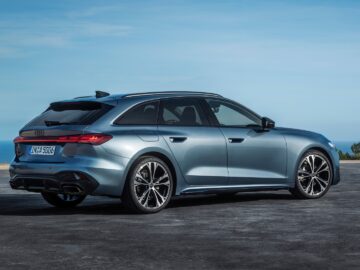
{"x": 158, "y": 154}
{"x": 325, "y": 152}
{"x": 313, "y": 148}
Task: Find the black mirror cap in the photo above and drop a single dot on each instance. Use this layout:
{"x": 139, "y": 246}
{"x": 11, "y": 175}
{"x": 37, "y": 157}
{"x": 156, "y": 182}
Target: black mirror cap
{"x": 267, "y": 123}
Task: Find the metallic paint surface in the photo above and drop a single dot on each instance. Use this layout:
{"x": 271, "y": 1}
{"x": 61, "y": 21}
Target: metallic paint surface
{"x": 205, "y": 162}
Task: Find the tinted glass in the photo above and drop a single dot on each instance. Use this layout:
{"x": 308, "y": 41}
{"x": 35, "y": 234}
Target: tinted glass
{"x": 228, "y": 114}
{"x": 67, "y": 113}
{"x": 145, "y": 114}
{"x": 182, "y": 112}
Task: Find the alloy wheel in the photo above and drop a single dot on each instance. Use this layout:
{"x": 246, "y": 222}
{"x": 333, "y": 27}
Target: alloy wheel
{"x": 314, "y": 175}
{"x": 152, "y": 185}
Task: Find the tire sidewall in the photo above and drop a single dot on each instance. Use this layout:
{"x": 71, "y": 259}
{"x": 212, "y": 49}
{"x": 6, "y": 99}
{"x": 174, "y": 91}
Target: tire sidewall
{"x": 297, "y": 183}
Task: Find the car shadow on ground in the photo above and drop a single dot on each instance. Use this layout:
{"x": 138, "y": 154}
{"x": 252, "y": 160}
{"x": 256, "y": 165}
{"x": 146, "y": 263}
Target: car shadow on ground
{"x": 33, "y": 205}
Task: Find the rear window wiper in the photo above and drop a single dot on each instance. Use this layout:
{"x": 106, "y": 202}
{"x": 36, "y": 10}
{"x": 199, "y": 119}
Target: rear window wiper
{"x": 58, "y": 123}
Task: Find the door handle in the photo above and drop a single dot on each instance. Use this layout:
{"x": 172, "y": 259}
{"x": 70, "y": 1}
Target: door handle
{"x": 178, "y": 139}
{"x": 236, "y": 140}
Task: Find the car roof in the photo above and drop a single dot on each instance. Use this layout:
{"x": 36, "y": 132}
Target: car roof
{"x": 107, "y": 98}
{"x": 134, "y": 98}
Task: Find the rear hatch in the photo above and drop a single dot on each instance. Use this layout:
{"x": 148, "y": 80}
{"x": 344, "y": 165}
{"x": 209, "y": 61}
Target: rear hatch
{"x": 54, "y": 135}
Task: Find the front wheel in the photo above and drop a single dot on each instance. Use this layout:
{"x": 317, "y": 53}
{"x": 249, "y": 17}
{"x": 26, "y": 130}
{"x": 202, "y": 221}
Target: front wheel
{"x": 63, "y": 200}
{"x": 149, "y": 187}
{"x": 314, "y": 176}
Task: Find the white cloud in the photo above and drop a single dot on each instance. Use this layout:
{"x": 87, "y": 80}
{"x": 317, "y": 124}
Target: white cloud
{"x": 102, "y": 29}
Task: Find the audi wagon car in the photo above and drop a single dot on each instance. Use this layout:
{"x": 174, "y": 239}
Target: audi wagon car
{"x": 146, "y": 148}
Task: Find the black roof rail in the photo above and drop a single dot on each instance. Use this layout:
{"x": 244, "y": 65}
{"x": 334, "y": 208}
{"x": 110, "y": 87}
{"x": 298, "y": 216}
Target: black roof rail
{"x": 83, "y": 97}
{"x": 171, "y": 93}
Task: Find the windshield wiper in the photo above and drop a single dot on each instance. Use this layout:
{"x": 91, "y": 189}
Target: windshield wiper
{"x": 58, "y": 123}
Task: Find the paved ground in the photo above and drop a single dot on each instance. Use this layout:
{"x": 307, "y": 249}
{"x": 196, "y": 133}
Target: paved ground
{"x": 250, "y": 231}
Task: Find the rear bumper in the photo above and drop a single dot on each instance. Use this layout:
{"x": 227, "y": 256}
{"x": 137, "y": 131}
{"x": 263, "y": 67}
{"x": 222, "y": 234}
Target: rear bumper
{"x": 90, "y": 176}
{"x": 75, "y": 183}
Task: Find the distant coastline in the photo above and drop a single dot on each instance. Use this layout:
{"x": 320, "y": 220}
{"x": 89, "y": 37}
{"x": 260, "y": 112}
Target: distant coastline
{"x": 4, "y": 166}
{"x": 6, "y": 152}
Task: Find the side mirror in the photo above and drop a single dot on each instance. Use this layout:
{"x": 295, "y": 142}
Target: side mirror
{"x": 267, "y": 123}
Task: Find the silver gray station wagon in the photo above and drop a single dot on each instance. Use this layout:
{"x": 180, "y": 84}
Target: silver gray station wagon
{"x": 148, "y": 147}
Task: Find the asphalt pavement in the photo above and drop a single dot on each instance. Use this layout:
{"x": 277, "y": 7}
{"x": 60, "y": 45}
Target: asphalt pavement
{"x": 265, "y": 230}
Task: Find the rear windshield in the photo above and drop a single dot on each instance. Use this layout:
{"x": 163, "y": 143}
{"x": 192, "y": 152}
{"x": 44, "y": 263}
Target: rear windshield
{"x": 71, "y": 113}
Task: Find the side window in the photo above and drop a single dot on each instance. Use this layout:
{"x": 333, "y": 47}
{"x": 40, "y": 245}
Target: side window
{"x": 144, "y": 114}
{"x": 182, "y": 112}
{"x": 228, "y": 114}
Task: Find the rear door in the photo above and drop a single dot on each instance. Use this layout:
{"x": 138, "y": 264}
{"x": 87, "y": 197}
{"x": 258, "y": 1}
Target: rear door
{"x": 199, "y": 149}
{"x": 60, "y": 119}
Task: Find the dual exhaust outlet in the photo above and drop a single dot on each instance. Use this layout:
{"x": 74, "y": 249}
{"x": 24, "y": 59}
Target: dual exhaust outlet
{"x": 72, "y": 190}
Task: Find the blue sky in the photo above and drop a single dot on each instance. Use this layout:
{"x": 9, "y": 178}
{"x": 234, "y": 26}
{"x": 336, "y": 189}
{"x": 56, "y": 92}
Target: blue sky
{"x": 297, "y": 62}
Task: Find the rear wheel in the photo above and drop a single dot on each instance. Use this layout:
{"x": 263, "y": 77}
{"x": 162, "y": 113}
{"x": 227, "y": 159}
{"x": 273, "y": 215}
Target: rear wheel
{"x": 149, "y": 187}
{"x": 63, "y": 200}
{"x": 314, "y": 176}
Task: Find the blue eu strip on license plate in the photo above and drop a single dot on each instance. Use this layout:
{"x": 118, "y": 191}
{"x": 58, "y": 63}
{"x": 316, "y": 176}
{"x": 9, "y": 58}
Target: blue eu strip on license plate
{"x": 42, "y": 150}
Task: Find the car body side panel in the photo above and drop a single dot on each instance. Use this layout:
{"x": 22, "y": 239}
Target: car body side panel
{"x": 259, "y": 157}
{"x": 202, "y": 156}
{"x": 160, "y": 148}
{"x": 132, "y": 142}
{"x": 298, "y": 143}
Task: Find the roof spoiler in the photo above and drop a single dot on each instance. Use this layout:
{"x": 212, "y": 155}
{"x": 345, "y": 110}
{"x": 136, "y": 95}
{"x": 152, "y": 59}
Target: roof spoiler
{"x": 98, "y": 94}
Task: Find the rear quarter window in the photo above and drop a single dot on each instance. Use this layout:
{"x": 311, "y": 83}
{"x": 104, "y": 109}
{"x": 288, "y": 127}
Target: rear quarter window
{"x": 143, "y": 114}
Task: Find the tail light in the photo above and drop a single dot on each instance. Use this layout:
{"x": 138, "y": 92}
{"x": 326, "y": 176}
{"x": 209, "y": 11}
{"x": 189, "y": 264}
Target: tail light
{"x": 18, "y": 150}
{"x": 94, "y": 139}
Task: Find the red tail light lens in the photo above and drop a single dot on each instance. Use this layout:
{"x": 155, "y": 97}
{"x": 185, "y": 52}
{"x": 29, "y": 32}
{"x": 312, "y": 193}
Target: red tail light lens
{"x": 94, "y": 139}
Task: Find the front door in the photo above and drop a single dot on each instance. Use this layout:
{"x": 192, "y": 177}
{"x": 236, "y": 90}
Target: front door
{"x": 255, "y": 156}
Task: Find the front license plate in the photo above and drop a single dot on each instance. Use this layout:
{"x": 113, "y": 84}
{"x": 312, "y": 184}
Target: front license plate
{"x": 42, "y": 150}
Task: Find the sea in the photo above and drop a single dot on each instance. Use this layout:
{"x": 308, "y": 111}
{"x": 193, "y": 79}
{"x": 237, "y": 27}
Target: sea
{"x": 7, "y": 149}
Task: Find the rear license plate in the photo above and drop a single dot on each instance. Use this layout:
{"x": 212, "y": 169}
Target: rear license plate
{"x": 42, "y": 150}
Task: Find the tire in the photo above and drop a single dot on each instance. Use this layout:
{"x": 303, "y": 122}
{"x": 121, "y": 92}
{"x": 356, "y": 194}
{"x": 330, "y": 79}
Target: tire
{"x": 62, "y": 200}
{"x": 149, "y": 186}
{"x": 314, "y": 176}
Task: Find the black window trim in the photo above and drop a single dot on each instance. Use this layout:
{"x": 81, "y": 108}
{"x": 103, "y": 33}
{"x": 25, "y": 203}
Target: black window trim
{"x": 198, "y": 100}
{"x": 118, "y": 118}
{"x": 238, "y": 107}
